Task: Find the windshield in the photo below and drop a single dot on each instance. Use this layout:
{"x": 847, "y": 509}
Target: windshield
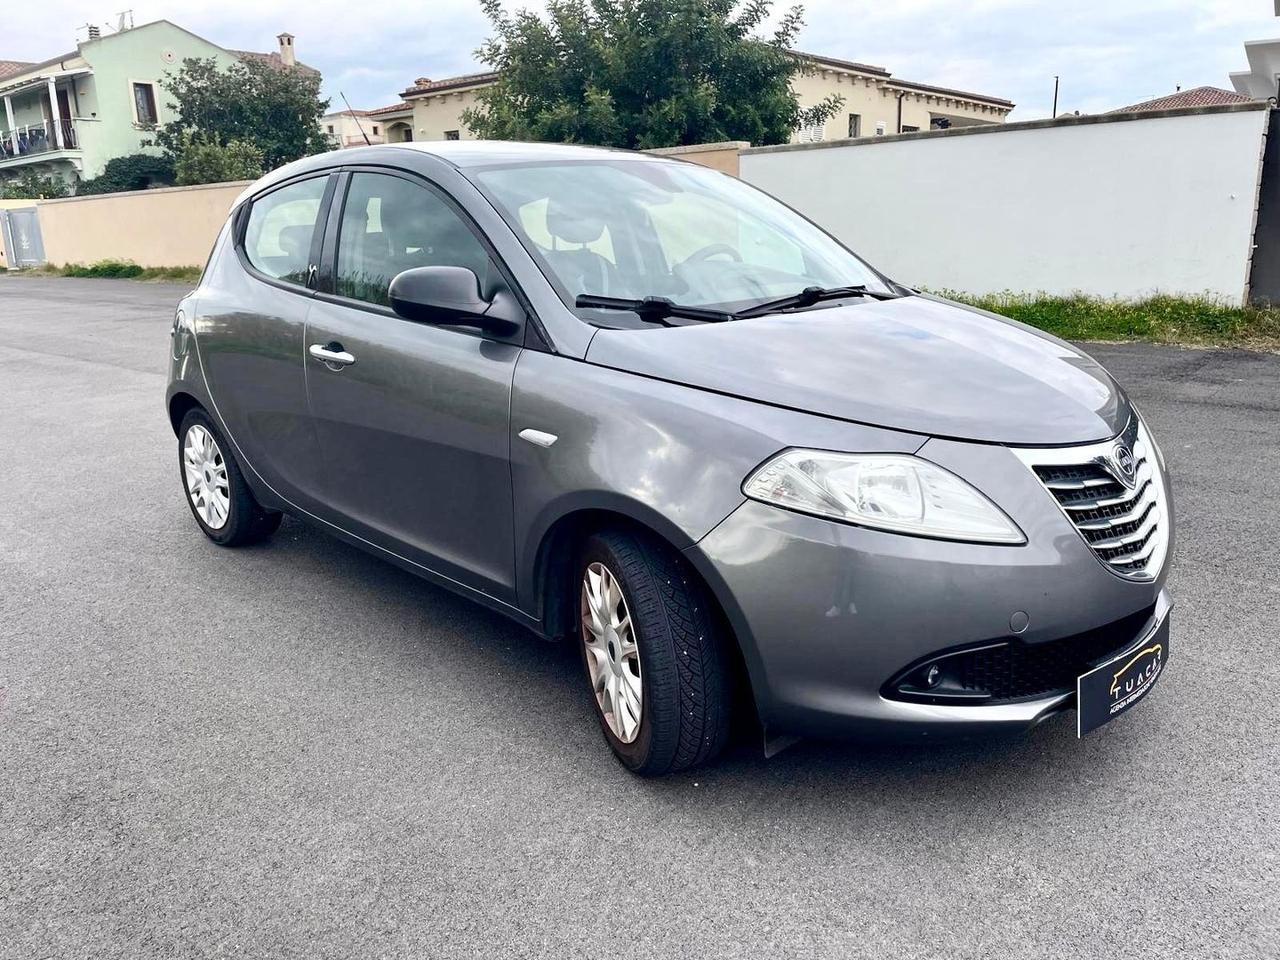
{"x": 633, "y": 228}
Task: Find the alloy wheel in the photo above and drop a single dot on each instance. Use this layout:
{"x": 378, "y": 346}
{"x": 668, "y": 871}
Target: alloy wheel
{"x": 206, "y": 474}
{"x": 613, "y": 657}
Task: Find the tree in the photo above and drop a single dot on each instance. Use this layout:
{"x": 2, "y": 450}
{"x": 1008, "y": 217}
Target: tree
{"x": 137, "y": 171}
{"x": 642, "y": 73}
{"x": 202, "y": 160}
{"x": 33, "y": 186}
{"x": 278, "y": 111}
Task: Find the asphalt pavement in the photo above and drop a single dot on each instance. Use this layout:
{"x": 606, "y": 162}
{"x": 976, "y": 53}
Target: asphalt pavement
{"x": 297, "y": 750}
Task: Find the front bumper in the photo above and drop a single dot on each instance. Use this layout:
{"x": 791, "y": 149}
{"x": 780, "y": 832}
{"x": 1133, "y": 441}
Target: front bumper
{"x": 827, "y": 613}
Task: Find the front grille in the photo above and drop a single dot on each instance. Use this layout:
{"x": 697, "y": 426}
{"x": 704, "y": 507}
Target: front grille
{"x": 1126, "y": 524}
{"x": 1013, "y": 670}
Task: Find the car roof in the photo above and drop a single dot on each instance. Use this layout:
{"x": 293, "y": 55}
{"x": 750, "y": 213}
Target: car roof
{"x": 470, "y": 153}
{"x": 457, "y": 153}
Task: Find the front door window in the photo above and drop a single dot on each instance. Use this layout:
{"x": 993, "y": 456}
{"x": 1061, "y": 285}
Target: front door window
{"x": 390, "y": 225}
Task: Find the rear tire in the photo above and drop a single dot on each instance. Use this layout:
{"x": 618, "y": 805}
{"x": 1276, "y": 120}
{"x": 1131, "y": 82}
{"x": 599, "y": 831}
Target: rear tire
{"x": 215, "y": 489}
{"x": 661, "y": 626}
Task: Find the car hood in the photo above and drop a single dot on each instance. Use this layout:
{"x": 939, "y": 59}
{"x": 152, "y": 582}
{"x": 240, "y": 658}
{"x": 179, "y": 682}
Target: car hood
{"x": 916, "y": 363}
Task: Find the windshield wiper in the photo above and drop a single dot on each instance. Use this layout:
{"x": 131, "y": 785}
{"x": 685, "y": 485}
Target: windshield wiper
{"x": 811, "y": 295}
{"x": 660, "y": 309}
{"x": 653, "y": 309}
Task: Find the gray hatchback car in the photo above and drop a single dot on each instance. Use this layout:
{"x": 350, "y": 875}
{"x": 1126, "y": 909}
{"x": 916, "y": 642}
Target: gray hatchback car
{"x": 638, "y": 404}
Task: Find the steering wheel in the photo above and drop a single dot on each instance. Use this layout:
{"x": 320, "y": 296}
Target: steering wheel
{"x": 709, "y": 251}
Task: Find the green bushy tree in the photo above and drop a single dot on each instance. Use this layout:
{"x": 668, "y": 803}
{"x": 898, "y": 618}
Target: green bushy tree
{"x": 204, "y": 160}
{"x": 642, "y": 74}
{"x": 137, "y": 171}
{"x": 32, "y": 186}
{"x": 277, "y": 111}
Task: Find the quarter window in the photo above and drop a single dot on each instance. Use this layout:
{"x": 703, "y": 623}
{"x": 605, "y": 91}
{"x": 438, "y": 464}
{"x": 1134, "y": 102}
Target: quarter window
{"x": 390, "y": 225}
{"x": 278, "y": 237}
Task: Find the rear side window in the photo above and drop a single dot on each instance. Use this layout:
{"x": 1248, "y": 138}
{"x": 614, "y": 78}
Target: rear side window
{"x": 390, "y": 225}
{"x": 277, "y": 240}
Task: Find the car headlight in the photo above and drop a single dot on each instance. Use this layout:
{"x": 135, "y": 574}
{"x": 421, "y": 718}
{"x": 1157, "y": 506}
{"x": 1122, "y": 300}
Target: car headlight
{"x": 888, "y": 491}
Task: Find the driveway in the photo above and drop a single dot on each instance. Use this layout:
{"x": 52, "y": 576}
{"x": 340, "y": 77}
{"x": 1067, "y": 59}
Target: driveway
{"x": 297, "y": 750}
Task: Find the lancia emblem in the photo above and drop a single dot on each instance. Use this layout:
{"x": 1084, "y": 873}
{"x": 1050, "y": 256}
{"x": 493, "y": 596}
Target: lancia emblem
{"x": 1122, "y": 460}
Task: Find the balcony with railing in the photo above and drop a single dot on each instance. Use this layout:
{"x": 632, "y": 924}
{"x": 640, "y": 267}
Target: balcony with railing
{"x": 34, "y": 141}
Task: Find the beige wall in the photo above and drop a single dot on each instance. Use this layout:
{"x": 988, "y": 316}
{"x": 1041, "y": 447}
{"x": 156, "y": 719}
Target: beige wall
{"x": 176, "y": 226}
{"x": 717, "y": 156}
{"x": 434, "y": 115}
{"x": 171, "y": 227}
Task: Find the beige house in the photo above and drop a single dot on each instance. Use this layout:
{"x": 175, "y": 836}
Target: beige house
{"x": 438, "y": 105}
{"x": 356, "y": 128}
{"x": 875, "y": 103}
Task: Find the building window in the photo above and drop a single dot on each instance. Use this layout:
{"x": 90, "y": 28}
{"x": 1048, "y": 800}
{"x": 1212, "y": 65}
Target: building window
{"x": 451, "y": 135}
{"x": 331, "y": 128}
{"x": 880, "y": 128}
{"x": 375, "y": 129}
{"x": 810, "y": 133}
{"x": 408, "y": 134}
{"x": 144, "y": 103}
{"x": 855, "y": 125}
{"x": 907, "y": 129}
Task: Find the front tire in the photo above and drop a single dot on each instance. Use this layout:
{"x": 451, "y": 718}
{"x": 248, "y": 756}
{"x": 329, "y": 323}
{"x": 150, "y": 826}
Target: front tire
{"x": 216, "y": 492}
{"x": 653, "y": 654}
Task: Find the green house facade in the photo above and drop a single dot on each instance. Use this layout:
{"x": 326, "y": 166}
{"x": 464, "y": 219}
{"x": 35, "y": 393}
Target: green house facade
{"x": 67, "y": 116}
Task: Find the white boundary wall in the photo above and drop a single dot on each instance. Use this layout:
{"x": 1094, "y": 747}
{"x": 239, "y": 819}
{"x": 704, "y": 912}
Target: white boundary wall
{"x": 1114, "y": 206}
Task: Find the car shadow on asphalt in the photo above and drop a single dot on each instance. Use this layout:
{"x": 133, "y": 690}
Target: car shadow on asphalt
{"x": 476, "y": 644}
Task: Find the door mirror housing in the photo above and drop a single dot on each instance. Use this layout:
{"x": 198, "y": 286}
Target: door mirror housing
{"x": 450, "y": 296}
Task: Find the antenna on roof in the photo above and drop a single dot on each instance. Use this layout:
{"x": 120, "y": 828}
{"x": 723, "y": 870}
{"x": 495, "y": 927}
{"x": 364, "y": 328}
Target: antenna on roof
{"x": 352, "y": 113}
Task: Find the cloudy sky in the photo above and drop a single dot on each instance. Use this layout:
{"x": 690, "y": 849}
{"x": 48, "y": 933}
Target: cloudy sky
{"x": 1108, "y": 52}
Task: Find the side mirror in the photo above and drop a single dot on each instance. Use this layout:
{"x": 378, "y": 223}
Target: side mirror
{"x": 451, "y": 296}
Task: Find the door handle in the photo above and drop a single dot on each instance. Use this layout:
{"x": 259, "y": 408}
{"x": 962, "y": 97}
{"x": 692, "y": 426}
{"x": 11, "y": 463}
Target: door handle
{"x": 331, "y": 354}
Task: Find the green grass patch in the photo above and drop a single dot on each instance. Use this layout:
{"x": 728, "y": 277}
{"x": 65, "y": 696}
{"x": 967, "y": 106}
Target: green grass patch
{"x": 118, "y": 270}
{"x": 1160, "y": 319}
{"x": 110, "y": 269}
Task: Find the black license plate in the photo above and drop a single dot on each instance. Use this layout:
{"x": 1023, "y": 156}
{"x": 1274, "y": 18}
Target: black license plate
{"x": 1110, "y": 689}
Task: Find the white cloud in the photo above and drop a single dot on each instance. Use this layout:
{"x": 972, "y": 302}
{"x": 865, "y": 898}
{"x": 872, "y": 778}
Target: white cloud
{"x": 1107, "y": 52}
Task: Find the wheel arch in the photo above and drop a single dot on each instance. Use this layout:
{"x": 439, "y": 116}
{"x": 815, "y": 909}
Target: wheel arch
{"x": 553, "y": 573}
{"x": 180, "y": 404}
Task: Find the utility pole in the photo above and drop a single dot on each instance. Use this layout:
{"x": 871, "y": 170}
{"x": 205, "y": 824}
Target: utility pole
{"x": 1055, "y": 97}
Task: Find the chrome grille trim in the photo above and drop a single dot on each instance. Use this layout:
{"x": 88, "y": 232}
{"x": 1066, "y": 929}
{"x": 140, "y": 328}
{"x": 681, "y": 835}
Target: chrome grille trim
{"x": 1125, "y": 522}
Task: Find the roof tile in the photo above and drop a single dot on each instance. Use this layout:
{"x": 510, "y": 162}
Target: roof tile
{"x": 9, "y": 68}
{"x": 1195, "y": 97}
